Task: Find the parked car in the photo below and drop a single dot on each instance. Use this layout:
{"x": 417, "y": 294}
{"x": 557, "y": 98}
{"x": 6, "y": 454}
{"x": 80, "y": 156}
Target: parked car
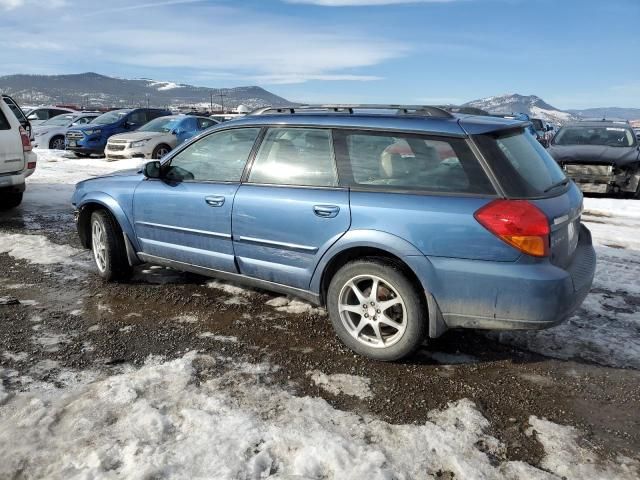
{"x": 51, "y": 134}
{"x": 92, "y": 138}
{"x": 537, "y": 128}
{"x": 37, "y": 116}
{"x": 402, "y": 225}
{"x": 17, "y": 160}
{"x": 156, "y": 138}
{"x": 18, "y": 113}
{"x": 225, "y": 117}
{"x": 601, "y": 156}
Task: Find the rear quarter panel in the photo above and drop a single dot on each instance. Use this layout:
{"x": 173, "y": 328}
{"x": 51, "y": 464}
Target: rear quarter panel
{"x": 438, "y": 226}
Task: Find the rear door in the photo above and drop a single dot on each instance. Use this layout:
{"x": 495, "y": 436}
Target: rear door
{"x": 291, "y": 209}
{"x": 11, "y": 153}
{"x": 186, "y": 216}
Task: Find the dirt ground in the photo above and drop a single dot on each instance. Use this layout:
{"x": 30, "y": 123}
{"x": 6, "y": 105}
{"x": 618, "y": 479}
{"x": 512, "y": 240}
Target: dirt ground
{"x": 74, "y": 320}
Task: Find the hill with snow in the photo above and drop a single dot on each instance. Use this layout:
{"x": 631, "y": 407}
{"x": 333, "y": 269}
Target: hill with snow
{"x": 95, "y": 90}
{"x": 529, "y": 104}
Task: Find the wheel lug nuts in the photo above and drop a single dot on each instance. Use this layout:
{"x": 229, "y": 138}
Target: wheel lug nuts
{"x": 366, "y": 315}
{"x": 373, "y": 304}
{"x": 378, "y": 311}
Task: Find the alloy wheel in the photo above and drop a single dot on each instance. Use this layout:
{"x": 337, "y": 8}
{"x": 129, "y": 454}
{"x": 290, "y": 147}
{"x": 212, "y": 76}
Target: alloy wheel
{"x": 99, "y": 245}
{"x": 372, "y": 311}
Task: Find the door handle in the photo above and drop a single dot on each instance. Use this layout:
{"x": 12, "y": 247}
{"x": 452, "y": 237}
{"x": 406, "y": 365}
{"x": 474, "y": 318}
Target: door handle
{"x": 326, "y": 211}
{"x": 214, "y": 200}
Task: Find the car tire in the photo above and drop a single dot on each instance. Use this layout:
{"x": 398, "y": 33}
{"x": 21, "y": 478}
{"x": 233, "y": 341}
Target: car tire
{"x": 82, "y": 155}
{"x": 10, "y": 200}
{"x": 160, "y": 151}
{"x": 387, "y": 334}
{"x": 56, "y": 143}
{"x": 107, "y": 246}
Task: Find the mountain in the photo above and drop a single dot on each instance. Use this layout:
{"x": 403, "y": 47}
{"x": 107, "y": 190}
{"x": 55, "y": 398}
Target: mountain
{"x": 610, "y": 112}
{"x": 92, "y": 89}
{"x": 529, "y": 104}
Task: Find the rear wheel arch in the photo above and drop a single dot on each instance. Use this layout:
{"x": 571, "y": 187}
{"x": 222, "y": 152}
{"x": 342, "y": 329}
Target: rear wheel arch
{"x": 366, "y": 253}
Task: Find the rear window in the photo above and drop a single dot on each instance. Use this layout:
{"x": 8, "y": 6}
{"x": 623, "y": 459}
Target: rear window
{"x": 522, "y": 165}
{"x": 403, "y": 161}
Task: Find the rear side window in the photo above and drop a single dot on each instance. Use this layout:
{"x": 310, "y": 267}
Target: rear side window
{"x": 522, "y": 165}
{"x": 4, "y": 123}
{"x": 403, "y": 161}
{"x": 295, "y": 156}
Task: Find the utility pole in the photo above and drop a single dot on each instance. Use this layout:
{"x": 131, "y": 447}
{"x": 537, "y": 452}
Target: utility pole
{"x": 147, "y": 95}
{"x": 211, "y": 101}
{"x": 222, "y": 95}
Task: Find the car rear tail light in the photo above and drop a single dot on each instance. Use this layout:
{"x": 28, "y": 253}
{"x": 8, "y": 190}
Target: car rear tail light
{"x": 31, "y": 165}
{"x": 26, "y": 143}
{"x": 519, "y": 223}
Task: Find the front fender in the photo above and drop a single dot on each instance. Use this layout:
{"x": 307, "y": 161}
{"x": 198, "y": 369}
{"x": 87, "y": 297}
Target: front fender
{"x": 108, "y": 202}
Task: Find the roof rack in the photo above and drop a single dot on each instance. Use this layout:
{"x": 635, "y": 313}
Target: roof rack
{"x": 349, "y": 109}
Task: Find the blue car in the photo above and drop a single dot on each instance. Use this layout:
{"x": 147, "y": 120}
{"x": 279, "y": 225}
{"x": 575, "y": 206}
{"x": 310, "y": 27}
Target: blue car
{"x": 92, "y": 138}
{"x": 403, "y": 223}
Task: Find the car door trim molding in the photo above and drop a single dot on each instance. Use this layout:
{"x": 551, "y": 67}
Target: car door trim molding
{"x": 184, "y": 229}
{"x": 270, "y": 243}
{"x": 233, "y": 277}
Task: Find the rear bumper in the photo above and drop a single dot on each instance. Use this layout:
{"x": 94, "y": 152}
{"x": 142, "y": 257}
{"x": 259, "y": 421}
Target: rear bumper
{"x": 524, "y": 295}
{"x": 12, "y": 183}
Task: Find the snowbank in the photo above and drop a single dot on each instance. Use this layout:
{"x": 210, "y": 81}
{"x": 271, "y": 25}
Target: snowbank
{"x": 37, "y": 249}
{"x": 199, "y": 417}
{"x": 62, "y": 167}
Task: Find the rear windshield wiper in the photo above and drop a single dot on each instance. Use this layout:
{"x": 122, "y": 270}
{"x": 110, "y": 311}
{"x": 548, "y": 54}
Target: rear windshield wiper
{"x": 561, "y": 183}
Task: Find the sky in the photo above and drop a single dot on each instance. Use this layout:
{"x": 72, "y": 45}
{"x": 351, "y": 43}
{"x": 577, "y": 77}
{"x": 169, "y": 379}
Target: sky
{"x": 572, "y": 53}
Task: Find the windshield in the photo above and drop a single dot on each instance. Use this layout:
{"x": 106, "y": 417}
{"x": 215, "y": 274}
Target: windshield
{"x": 599, "y": 135}
{"x": 60, "y": 120}
{"x": 162, "y": 124}
{"x": 110, "y": 117}
{"x": 522, "y": 165}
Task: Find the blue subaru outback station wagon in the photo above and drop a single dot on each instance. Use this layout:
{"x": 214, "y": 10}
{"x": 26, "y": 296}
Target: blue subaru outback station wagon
{"x": 403, "y": 221}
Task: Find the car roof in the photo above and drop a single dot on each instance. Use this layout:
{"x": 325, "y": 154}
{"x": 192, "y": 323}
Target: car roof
{"x": 599, "y": 123}
{"x": 456, "y": 125}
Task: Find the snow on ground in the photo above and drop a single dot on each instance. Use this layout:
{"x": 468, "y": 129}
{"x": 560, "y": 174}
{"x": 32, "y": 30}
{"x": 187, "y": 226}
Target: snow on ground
{"x": 294, "y": 306}
{"x": 205, "y": 417}
{"x": 341, "y": 383}
{"x": 39, "y": 249}
{"x": 61, "y": 167}
{"x": 606, "y": 329}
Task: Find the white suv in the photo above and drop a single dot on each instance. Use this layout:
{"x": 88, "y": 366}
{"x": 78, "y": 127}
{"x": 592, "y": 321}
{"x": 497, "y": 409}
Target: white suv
{"x": 17, "y": 160}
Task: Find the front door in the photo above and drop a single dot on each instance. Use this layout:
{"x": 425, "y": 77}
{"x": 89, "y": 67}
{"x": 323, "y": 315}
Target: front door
{"x": 186, "y": 215}
{"x": 291, "y": 210}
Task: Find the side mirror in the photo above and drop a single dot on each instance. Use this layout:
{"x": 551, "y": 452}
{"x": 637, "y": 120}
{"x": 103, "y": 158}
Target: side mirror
{"x": 152, "y": 170}
{"x": 32, "y": 117}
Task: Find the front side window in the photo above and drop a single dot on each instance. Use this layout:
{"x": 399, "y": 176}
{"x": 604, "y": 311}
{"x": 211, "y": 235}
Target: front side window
{"x": 39, "y": 114}
{"x": 295, "y": 156}
{"x": 399, "y": 161}
{"x": 586, "y": 135}
{"x": 219, "y": 157}
{"x": 137, "y": 118}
